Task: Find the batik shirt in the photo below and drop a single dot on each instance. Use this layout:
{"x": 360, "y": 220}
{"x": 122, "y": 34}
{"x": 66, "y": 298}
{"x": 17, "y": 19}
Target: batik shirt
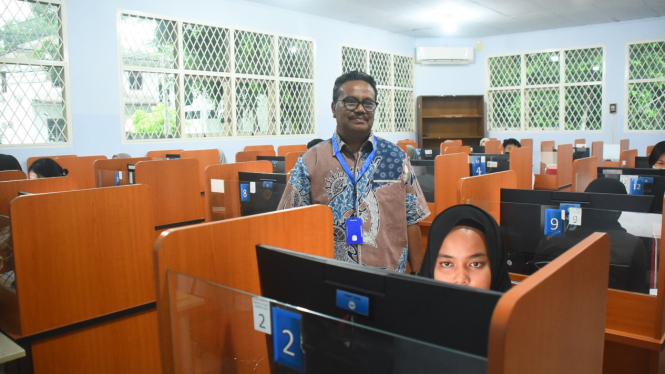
{"x": 389, "y": 199}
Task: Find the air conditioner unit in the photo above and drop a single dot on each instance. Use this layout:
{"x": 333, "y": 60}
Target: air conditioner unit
{"x": 444, "y": 55}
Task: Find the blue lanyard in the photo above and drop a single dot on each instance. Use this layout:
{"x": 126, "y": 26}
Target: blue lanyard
{"x": 363, "y": 169}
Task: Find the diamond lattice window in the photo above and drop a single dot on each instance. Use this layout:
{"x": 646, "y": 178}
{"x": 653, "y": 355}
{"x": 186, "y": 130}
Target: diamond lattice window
{"x": 210, "y": 81}
{"x": 552, "y": 90}
{"x": 646, "y": 86}
{"x": 34, "y": 99}
{"x": 394, "y": 80}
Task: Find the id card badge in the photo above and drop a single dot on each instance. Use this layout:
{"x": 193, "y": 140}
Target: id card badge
{"x": 354, "y": 230}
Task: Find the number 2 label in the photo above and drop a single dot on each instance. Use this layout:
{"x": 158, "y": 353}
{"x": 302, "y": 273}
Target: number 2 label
{"x": 286, "y": 339}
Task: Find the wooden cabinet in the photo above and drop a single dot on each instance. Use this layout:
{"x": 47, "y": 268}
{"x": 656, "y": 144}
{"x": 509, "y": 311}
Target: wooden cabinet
{"x": 450, "y": 117}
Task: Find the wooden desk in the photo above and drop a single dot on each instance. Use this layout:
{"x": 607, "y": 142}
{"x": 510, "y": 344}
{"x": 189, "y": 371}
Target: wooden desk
{"x": 9, "y": 350}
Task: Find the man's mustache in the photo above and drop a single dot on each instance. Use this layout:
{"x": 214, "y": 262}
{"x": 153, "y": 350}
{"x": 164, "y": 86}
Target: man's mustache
{"x": 357, "y": 116}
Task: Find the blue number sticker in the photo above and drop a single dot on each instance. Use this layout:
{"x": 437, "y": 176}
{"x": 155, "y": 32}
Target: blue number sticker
{"x": 117, "y": 178}
{"x": 286, "y": 339}
{"x": 478, "y": 166}
{"x": 637, "y": 186}
{"x": 554, "y": 222}
{"x": 244, "y": 192}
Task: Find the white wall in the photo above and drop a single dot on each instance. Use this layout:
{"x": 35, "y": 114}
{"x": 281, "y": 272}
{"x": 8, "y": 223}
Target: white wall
{"x": 471, "y": 79}
{"x": 94, "y": 68}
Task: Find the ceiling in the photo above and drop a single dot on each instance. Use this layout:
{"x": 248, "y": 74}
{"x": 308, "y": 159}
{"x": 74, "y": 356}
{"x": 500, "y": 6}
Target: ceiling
{"x": 473, "y": 18}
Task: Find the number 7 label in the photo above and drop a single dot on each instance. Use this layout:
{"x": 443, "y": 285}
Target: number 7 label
{"x": 286, "y": 339}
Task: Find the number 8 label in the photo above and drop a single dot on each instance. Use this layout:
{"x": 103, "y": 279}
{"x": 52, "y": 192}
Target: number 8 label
{"x": 244, "y": 192}
{"x": 286, "y": 339}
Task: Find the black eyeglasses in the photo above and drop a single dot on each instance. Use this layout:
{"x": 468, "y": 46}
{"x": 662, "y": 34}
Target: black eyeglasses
{"x": 352, "y": 104}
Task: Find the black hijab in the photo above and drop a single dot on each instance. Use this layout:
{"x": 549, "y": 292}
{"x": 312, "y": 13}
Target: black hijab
{"x": 469, "y": 215}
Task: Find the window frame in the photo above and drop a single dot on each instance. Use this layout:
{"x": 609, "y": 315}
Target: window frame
{"x": 628, "y": 81}
{"x": 232, "y": 76}
{"x": 561, "y": 86}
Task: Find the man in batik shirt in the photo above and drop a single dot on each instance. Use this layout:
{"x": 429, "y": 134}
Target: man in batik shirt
{"x": 366, "y": 181}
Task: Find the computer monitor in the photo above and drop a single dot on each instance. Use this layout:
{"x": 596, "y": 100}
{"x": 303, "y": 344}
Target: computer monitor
{"x": 523, "y": 220}
{"x": 278, "y": 163}
{"x": 172, "y": 156}
{"x": 424, "y": 170}
{"x": 260, "y": 192}
{"x": 477, "y": 149}
{"x": 642, "y": 162}
{"x": 429, "y": 153}
{"x": 494, "y": 162}
{"x": 654, "y": 187}
{"x": 448, "y": 315}
{"x": 581, "y": 152}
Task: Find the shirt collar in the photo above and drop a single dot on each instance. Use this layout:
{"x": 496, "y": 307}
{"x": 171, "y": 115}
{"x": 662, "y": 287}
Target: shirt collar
{"x": 368, "y": 143}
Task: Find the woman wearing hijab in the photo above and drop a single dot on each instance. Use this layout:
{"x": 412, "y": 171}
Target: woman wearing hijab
{"x": 465, "y": 247}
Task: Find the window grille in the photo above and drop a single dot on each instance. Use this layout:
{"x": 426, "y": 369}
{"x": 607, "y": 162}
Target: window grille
{"x": 551, "y": 90}
{"x": 646, "y": 86}
{"x": 211, "y": 81}
{"x": 34, "y": 97}
{"x": 394, "y": 79}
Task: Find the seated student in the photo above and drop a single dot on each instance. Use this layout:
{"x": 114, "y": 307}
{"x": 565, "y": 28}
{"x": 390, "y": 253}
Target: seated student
{"x": 657, "y": 156}
{"x": 483, "y": 141}
{"x": 628, "y": 256}
{"x": 122, "y": 155}
{"x": 509, "y": 144}
{"x": 411, "y": 152}
{"x": 465, "y": 247}
{"x": 45, "y": 168}
{"x": 9, "y": 162}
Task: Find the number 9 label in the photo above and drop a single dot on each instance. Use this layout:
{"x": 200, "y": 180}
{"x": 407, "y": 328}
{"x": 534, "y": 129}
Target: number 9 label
{"x": 554, "y": 222}
{"x": 286, "y": 339}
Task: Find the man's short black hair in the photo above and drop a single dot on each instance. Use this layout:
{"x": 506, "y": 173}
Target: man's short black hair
{"x": 512, "y": 141}
{"x": 354, "y": 75}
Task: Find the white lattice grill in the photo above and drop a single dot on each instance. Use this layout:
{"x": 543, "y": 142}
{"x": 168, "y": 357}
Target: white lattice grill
{"x": 646, "y": 106}
{"x": 403, "y": 68}
{"x": 380, "y": 68}
{"x": 296, "y": 58}
{"x": 647, "y": 60}
{"x": 148, "y": 42}
{"x": 404, "y": 111}
{"x": 584, "y": 107}
{"x": 543, "y": 68}
{"x": 256, "y": 107}
{"x": 584, "y": 65}
{"x": 383, "y": 115}
{"x": 150, "y": 113}
{"x": 505, "y": 71}
{"x": 255, "y": 53}
{"x": 296, "y": 108}
{"x": 206, "y": 48}
{"x": 207, "y": 106}
{"x": 541, "y": 108}
{"x": 32, "y": 109}
{"x": 354, "y": 59}
{"x": 504, "y": 109}
{"x": 33, "y": 100}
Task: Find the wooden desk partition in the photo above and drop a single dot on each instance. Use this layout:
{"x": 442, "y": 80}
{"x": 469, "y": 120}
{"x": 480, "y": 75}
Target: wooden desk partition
{"x": 493, "y": 146}
{"x": 283, "y": 150}
{"x": 585, "y": 170}
{"x": 553, "y": 321}
{"x": 205, "y": 157}
{"x": 245, "y": 156}
{"x": 220, "y": 206}
{"x": 33, "y": 159}
{"x": 11, "y": 175}
{"x": 563, "y": 180}
{"x": 224, "y": 253}
{"x": 448, "y": 170}
{"x": 175, "y": 190}
{"x": 624, "y": 144}
{"x": 259, "y": 148}
{"x": 9, "y": 190}
{"x": 80, "y": 169}
{"x": 83, "y": 261}
{"x": 105, "y": 170}
{"x": 579, "y": 141}
{"x": 448, "y": 143}
{"x": 545, "y": 146}
{"x": 627, "y": 158}
{"x": 160, "y": 155}
{"x": 521, "y": 161}
{"x": 290, "y": 160}
{"x": 407, "y": 142}
{"x": 484, "y": 191}
{"x": 526, "y": 143}
{"x": 457, "y": 149}
{"x": 597, "y": 152}
{"x": 649, "y": 149}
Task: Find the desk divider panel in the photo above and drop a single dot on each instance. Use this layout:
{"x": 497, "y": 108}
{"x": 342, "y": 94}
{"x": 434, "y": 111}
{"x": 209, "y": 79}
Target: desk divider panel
{"x": 448, "y": 171}
{"x": 267, "y": 147}
{"x": 579, "y": 141}
{"x": 160, "y": 155}
{"x": 627, "y": 158}
{"x": 290, "y": 160}
{"x": 624, "y": 144}
{"x": 405, "y": 142}
{"x": 229, "y": 200}
{"x": 649, "y": 149}
{"x": 597, "y": 151}
{"x": 9, "y": 190}
{"x": 486, "y": 190}
{"x": 545, "y": 146}
{"x": 224, "y": 253}
{"x": 245, "y": 156}
{"x": 493, "y": 146}
{"x": 283, "y": 150}
{"x": 457, "y": 149}
{"x": 12, "y": 175}
{"x": 553, "y": 322}
{"x": 585, "y": 170}
{"x": 81, "y": 169}
{"x": 105, "y": 170}
{"x": 448, "y": 143}
{"x": 33, "y": 159}
{"x": 175, "y": 190}
{"x": 526, "y": 143}
{"x": 563, "y": 179}
{"x": 206, "y": 158}
{"x": 521, "y": 161}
